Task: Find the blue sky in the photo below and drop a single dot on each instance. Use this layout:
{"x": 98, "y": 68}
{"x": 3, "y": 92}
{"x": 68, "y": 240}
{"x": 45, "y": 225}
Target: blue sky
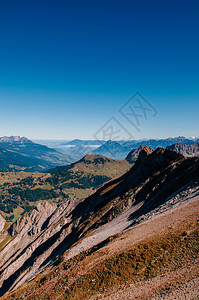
{"x": 66, "y": 67}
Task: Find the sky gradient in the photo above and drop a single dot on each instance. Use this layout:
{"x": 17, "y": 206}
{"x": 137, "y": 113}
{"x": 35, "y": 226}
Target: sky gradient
{"x": 66, "y": 67}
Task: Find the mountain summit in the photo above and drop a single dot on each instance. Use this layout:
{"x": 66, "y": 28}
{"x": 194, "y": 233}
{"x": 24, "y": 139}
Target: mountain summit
{"x": 15, "y": 139}
{"x": 134, "y": 154}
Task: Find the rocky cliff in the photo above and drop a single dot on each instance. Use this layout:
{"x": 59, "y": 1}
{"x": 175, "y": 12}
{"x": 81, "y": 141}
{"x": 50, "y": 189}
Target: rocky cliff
{"x": 187, "y": 150}
{"x": 2, "y": 223}
{"x": 133, "y": 155}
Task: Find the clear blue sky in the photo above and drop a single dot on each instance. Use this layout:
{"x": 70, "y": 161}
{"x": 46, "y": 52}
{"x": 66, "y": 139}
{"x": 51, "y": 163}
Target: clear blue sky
{"x": 66, "y": 66}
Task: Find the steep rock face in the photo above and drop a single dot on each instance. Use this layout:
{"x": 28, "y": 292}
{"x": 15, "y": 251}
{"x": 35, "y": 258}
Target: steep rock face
{"x": 154, "y": 178}
{"x": 147, "y": 174}
{"x": 32, "y": 222}
{"x": 2, "y": 223}
{"x": 35, "y": 236}
{"x": 186, "y": 150}
{"x": 133, "y": 155}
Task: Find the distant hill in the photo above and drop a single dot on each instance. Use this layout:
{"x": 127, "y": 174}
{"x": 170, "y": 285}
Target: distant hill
{"x": 78, "y": 142}
{"x": 112, "y": 149}
{"x": 23, "y": 154}
{"x": 81, "y": 178}
{"x": 79, "y": 148}
{"x": 186, "y": 150}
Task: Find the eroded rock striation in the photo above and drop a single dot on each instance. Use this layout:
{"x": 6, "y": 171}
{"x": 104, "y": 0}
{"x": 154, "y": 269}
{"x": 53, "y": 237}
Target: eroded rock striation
{"x": 2, "y": 223}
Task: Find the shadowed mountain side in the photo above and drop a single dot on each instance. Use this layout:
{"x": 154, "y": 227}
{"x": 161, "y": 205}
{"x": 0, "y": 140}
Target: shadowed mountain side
{"x": 147, "y": 164}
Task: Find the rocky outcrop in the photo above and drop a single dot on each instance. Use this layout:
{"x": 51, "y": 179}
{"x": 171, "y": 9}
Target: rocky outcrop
{"x": 186, "y": 150}
{"x": 133, "y": 155}
{"x": 33, "y": 222}
{"x": 2, "y": 223}
{"x": 34, "y": 237}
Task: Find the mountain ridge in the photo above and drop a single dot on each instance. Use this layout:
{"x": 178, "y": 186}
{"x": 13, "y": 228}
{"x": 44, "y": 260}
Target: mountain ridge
{"x": 40, "y": 157}
{"x": 121, "y": 150}
{"x": 187, "y": 150}
{"x": 15, "y": 139}
{"x": 153, "y": 179}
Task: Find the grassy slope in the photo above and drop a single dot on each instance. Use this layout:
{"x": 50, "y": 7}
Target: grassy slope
{"x": 75, "y": 181}
{"x": 33, "y": 151}
{"x": 80, "y": 179}
{"x": 12, "y": 160}
{"x": 9, "y": 180}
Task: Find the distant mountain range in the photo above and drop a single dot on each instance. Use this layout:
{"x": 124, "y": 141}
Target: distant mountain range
{"x": 78, "y": 142}
{"x": 18, "y": 153}
{"x": 114, "y": 149}
{"x": 120, "y": 150}
{"x": 15, "y": 139}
